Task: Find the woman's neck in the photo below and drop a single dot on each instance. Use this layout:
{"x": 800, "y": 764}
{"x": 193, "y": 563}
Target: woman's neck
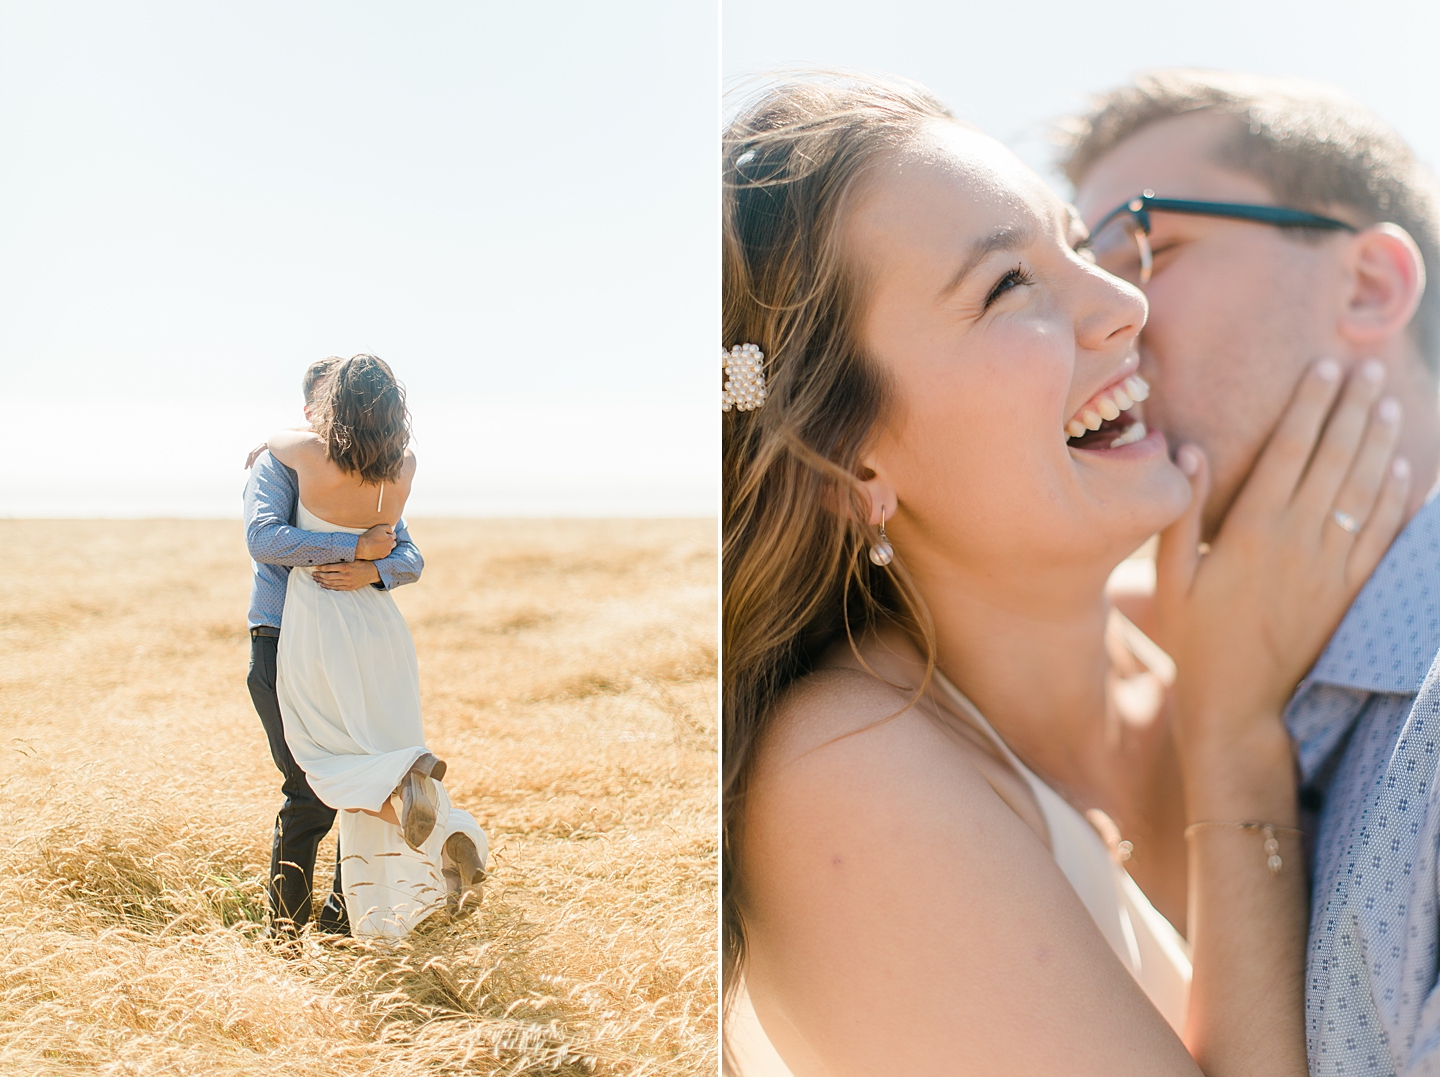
{"x": 1032, "y": 658}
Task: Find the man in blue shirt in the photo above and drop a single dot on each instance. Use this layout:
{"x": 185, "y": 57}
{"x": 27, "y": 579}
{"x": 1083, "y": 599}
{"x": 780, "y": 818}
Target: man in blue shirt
{"x": 382, "y": 557}
{"x": 1271, "y": 222}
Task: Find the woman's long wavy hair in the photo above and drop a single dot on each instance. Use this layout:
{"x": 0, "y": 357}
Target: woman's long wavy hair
{"x": 362, "y": 418}
{"x": 796, "y": 577}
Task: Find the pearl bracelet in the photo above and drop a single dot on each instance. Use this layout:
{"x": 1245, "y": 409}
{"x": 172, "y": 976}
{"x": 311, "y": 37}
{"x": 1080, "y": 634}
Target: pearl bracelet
{"x": 1272, "y": 845}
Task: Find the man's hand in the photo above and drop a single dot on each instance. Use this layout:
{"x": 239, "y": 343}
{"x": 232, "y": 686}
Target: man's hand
{"x": 255, "y": 454}
{"x": 347, "y": 576}
{"x": 375, "y": 543}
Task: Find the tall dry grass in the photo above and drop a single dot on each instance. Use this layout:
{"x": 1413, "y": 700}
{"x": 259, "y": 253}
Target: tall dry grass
{"x": 568, "y": 673}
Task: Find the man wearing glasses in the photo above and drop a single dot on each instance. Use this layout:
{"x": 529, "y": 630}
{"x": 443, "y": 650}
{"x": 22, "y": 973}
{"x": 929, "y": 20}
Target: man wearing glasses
{"x": 1269, "y": 223}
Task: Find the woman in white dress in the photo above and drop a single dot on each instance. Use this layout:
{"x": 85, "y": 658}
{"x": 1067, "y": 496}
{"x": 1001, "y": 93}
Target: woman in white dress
{"x": 347, "y": 676}
{"x": 928, "y": 478}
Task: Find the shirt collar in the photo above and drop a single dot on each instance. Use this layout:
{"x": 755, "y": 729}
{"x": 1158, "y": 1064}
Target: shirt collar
{"x": 1388, "y": 639}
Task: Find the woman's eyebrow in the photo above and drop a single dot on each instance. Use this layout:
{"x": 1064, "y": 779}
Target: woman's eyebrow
{"x": 1007, "y": 238}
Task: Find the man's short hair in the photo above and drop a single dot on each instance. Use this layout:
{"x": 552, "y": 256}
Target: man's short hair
{"x": 316, "y": 372}
{"x": 1314, "y": 147}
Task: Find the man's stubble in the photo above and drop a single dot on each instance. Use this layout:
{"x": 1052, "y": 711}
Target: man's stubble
{"x": 1224, "y": 370}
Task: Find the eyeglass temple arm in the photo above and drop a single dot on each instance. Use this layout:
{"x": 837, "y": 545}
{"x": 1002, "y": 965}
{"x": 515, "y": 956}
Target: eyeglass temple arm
{"x": 1240, "y": 211}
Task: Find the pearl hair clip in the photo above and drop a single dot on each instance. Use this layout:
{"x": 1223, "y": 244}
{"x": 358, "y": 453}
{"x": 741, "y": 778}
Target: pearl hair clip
{"x": 744, "y": 378}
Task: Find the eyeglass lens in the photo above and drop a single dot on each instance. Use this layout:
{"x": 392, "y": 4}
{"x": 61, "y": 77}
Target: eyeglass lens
{"x": 1121, "y": 247}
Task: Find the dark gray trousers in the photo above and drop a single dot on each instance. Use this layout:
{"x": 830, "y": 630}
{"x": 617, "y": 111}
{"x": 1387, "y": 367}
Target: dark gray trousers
{"x": 303, "y": 819}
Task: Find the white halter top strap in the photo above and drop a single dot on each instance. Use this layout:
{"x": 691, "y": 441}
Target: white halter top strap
{"x": 1081, "y": 853}
{"x": 1142, "y": 939}
{"x": 962, "y": 702}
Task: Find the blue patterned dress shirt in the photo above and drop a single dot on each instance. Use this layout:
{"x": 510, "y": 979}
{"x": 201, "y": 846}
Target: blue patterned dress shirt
{"x": 271, "y": 493}
{"x": 1367, "y": 725}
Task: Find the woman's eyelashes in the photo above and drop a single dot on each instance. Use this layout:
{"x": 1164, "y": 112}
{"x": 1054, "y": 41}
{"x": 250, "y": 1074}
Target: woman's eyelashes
{"x": 1015, "y": 278}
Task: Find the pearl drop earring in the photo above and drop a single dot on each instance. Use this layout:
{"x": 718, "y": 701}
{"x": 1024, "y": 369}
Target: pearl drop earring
{"x": 882, "y": 553}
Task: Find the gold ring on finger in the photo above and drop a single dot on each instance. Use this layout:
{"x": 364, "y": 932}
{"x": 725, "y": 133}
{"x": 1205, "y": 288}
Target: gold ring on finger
{"x": 1346, "y": 521}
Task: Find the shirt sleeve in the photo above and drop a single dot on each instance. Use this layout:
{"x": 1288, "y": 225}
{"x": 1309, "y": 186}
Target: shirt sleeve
{"x": 270, "y": 495}
{"x": 403, "y": 564}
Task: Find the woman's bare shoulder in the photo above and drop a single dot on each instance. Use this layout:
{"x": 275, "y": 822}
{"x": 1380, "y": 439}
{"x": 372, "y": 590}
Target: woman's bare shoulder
{"x": 838, "y": 716}
{"x": 852, "y": 688}
{"x": 875, "y": 850}
{"x": 296, "y": 446}
{"x": 827, "y": 704}
{"x": 841, "y": 738}
{"x": 843, "y": 731}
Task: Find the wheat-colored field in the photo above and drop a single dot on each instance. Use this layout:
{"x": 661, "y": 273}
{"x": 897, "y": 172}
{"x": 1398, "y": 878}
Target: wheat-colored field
{"x": 568, "y": 673}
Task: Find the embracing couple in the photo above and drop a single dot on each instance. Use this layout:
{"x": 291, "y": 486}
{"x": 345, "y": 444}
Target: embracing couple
{"x": 333, "y": 671}
{"x": 983, "y": 815}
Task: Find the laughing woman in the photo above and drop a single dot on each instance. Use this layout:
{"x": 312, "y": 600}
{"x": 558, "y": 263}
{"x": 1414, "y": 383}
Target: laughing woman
{"x": 925, "y": 748}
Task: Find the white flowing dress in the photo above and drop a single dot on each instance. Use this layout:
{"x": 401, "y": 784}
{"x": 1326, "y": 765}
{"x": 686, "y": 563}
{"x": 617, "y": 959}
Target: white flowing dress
{"x": 349, "y": 689}
{"x": 1155, "y": 954}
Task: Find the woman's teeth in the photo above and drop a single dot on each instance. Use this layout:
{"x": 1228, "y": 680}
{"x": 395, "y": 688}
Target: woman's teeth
{"x": 1089, "y": 420}
{"x": 1136, "y": 432}
{"x": 1109, "y": 405}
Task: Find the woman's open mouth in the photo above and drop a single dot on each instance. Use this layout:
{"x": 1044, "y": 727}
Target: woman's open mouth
{"x": 1110, "y": 419}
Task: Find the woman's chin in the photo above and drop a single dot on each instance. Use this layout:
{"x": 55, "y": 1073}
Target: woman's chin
{"x": 1139, "y": 484}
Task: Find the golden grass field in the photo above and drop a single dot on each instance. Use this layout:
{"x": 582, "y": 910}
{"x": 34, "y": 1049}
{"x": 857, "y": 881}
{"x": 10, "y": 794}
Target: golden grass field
{"x": 568, "y": 675}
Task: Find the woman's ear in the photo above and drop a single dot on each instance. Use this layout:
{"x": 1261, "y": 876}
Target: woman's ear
{"x": 880, "y": 492}
{"x": 1388, "y": 279}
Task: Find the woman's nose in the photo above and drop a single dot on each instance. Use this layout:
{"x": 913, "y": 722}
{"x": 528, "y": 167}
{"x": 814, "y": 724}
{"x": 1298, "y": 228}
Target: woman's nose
{"x": 1114, "y": 312}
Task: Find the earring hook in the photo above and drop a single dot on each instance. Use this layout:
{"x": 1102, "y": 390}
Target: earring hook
{"x": 882, "y": 553}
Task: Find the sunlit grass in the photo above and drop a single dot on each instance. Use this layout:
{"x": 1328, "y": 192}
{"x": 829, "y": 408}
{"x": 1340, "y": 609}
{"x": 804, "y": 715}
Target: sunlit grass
{"x": 568, "y": 677}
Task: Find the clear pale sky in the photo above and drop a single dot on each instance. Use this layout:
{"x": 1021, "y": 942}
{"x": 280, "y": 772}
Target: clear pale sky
{"x": 1012, "y": 68}
{"x": 513, "y": 204}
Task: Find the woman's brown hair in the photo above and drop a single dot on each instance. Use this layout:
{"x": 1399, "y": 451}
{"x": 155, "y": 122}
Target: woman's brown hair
{"x": 796, "y": 523}
{"x": 362, "y": 419}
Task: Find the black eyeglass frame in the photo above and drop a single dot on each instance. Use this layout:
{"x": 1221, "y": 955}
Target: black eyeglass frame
{"x": 1140, "y": 206}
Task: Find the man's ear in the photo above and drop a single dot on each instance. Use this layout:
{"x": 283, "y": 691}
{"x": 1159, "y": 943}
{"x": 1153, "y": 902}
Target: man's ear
{"x": 1387, "y": 281}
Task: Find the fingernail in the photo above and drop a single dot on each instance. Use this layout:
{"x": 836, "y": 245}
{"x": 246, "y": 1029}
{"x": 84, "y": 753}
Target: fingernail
{"x": 1327, "y": 370}
{"x": 1373, "y": 371}
{"x": 1188, "y": 460}
{"x": 1400, "y": 468}
{"x": 1389, "y": 410}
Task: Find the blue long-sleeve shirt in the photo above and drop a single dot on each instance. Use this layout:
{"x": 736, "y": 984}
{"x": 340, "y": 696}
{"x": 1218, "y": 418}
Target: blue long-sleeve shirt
{"x": 276, "y": 545}
{"x": 1365, "y": 723}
